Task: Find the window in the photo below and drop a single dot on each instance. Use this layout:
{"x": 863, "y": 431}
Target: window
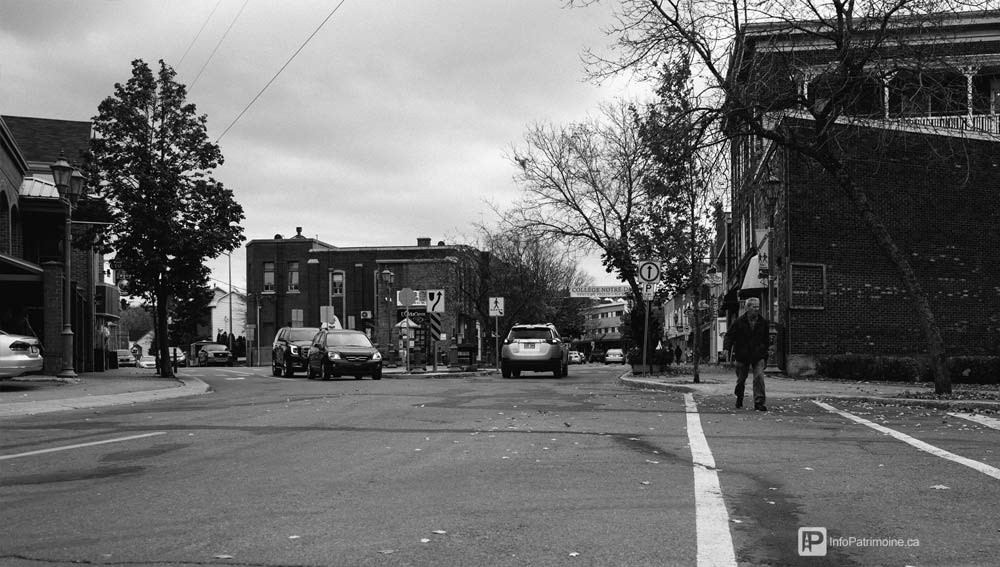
{"x": 293, "y": 276}
{"x": 269, "y": 276}
{"x": 336, "y": 284}
{"x": 297, "y": 319}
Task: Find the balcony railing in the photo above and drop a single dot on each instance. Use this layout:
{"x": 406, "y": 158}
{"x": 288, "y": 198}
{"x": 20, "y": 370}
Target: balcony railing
{"x": 989, "y": 123}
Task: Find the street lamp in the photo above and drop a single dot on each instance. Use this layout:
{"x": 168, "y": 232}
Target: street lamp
{"x": 771, "y": 188}
{"x": 69, "y": 182}
{"x": 230, "y": 256}
{"x": 388, "y": 278}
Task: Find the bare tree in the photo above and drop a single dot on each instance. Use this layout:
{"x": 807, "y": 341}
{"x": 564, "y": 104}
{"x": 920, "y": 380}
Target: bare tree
{"x": 748, "y": 88}
{"x": 583, "y": 185}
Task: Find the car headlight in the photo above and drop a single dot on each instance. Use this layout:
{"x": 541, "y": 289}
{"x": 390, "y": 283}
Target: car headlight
{"x": 334, "y": 356}
{"x": 294, "y": 349}
{"x": 377, "y": 356}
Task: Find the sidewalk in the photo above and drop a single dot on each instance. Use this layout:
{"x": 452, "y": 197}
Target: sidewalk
{"x": 715, "y": 380}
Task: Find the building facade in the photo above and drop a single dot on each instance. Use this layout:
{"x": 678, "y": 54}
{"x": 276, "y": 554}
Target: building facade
{"x": 32, "y": 228}
{"x": 302, "y": 281}
{"x": 928, "y": 160}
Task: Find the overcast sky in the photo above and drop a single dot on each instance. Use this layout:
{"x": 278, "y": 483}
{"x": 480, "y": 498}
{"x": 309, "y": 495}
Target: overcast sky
{"x": 392, "y": 123}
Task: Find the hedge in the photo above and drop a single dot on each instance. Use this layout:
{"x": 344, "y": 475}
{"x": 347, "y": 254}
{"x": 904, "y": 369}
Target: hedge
{"x": 963, "y": 369}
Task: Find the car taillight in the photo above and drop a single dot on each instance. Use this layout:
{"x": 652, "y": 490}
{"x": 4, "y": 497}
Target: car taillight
{"x": 508, "y": 341}
{"x": 552, "y": 341}
{"x": 20, "y": 345}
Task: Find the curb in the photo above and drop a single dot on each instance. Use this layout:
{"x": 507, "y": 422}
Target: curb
{"x": 186, "y": 387}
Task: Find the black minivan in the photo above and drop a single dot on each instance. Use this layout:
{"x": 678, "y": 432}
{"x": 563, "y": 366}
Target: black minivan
{"x": 339, "y": 352}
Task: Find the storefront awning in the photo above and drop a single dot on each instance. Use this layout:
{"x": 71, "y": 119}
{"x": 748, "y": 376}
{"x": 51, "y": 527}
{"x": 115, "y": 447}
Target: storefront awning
{"x": 752, "y": 283}
{"x": 16, "y": 269}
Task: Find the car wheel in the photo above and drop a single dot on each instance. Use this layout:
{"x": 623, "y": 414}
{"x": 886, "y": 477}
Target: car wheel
{"x": 327, "y": 372}
{"x": 288, "y": 371}
{"x": 505, "y": 370}
{"x": 309, "y": 372}
{"x": 515, "y": 373}
{"x": 377, "y": 375}
{"x": 275, "y": 370}
{"x": 565, "y": 371}
{"x": 557, "y": 372}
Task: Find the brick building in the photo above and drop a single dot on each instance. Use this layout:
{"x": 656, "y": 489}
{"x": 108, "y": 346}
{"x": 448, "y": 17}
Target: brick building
{"x": 32, "y": 225}
{"x": 929, "y": 162}
{"x": 302, "y": 281}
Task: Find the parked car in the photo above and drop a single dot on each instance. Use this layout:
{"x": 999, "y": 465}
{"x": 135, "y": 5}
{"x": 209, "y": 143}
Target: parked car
{"x": 339, "y": 352}
{"x": 125, "y": 357}
{"x": 214, "y": 353}
{"x": 179, "y": 355}
{"x": 537, "y": 347}
{"x": 19, "y": 354}
{"x": 290, "y": 350}
{"x": 575, "y": 357}
{"x": 597, "y": 355}
{"x": 146, "y": 361}
{"x": 614, "y": 356}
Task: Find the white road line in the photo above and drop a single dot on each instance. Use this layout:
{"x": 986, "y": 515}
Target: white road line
{"x": 54, "y": 449}
{"x": 715, "y": 543}
{"x": 976, "y": 465}
{"x": 981, "y": 419}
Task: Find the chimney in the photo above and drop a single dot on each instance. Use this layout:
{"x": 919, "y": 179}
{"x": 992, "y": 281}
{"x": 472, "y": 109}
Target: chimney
{"x": 423, "y": 241}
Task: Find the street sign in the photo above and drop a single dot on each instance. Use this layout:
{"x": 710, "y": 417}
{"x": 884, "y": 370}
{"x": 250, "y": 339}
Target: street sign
{"x": 435, "y": 300}
{"x": 496, "y": 307}
{"x": 407, "y": 297}
{"x": 598, "y": 291}
{"x": 648, "y": 290}
{"x": 648, "y": 271}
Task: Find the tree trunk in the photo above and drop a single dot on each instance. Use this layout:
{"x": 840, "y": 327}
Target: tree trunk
{"x": 164, "y": 367}
{"x": 929, "y": 326}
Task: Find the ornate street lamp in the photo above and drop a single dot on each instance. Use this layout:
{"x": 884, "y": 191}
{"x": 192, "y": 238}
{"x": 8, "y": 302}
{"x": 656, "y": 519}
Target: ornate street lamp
{"x": 69, "y": 182}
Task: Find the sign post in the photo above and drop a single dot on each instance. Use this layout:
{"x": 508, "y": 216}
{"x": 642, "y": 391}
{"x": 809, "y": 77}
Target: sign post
{"x": 406, "y": 298}
{"x": 496, "y": 311}
{"x": 649, "y": 273}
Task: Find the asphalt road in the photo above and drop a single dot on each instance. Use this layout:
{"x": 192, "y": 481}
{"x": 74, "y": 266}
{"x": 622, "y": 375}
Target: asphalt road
{"x": 487, "y": 471}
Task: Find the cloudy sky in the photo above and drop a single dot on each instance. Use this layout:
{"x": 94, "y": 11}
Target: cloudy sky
{"x": 391, "y": 123}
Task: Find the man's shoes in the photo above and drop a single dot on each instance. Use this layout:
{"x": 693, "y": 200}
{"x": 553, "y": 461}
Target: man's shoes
{"x": 760, "y": 407}
{"x": 739, "y": 403}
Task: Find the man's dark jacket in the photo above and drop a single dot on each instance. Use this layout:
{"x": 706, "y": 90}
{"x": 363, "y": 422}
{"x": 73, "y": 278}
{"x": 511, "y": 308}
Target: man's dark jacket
{"x": 749, "y": 344}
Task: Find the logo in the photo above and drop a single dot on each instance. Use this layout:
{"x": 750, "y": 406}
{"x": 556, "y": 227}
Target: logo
{"x": 812, "y": 542}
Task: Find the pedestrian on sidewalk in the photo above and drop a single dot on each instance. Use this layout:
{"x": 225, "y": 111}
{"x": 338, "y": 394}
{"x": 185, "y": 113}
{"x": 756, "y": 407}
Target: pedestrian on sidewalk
{"x": 748, "y": 340}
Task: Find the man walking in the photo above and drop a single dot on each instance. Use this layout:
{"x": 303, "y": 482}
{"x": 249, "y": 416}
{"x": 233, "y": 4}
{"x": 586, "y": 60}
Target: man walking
{"x": 748, "y": 339}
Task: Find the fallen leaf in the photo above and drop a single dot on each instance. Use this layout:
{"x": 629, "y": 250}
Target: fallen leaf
{"x": 574, "y": 554}
{"x": 439, "y": 532}
{"x": 222, "y": 556}
{"x": 294, "y": 537}
{"x": 644, "y": 483}
{"x": 386, "y": 551}
{"x": 940, "y": 487}
{"x": 424, "y": 540}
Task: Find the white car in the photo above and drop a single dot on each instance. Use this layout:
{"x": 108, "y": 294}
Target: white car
{"x": 614, "y": 355}
{"x": 147, "y": 361}
{"x": 19, "y": 354}
{"x": 575, "y": 357}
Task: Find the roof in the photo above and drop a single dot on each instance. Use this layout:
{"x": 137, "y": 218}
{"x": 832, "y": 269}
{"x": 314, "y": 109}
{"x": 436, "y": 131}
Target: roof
{"x": 41, "y": 140}
{"x": 39, "y": 188}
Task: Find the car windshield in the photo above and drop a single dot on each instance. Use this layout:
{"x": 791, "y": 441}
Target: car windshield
{"x": 214, "y": 347}
{"x": 539, "y": 333}
{"x": 347, "y": 339}
{"x": 301, "y": 334}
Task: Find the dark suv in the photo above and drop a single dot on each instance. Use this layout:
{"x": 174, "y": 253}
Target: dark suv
{"x": 290, "y": 351}
{"x": 534, "y": 347}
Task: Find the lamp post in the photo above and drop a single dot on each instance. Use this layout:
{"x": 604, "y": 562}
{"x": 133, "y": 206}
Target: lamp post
{"x": 69, "y": 182}
{"x": 388, "y": 278}
{"x": 771, "y": 189}
{"x": 230, "y": 256}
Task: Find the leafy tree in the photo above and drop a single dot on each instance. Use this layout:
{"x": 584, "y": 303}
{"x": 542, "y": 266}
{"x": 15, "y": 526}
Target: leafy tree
{"x": 751, "y": 100}
{"x": 153, "y": 160}
{"x": 135, "y": 322}
{"x": 188, "y": 313}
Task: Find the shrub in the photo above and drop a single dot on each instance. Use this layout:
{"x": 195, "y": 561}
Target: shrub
{"x": 870, "y": 367}
{"x": 634, "y": 356}
{"x": 974, "y": 369}
{"x": 659, "y": 356}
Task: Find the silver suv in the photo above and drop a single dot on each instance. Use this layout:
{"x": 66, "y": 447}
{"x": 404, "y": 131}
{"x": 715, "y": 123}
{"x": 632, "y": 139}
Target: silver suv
{"x": 534, "y": 347}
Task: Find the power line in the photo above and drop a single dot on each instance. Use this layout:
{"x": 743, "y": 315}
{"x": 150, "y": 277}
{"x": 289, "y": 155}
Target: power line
{"x": 308, "y": 39}
{"x": 219, "y": 44}
{"x": 205, "y": 23}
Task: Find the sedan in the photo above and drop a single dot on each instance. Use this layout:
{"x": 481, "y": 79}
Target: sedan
{"x": 178, "y": 355}
{"x": 125, "y": 357}
{"x": 575, "y": 357}
{"x": 146, "y": 361}
{"x": 19, "y": 355}
{"x": 614, "y": 355}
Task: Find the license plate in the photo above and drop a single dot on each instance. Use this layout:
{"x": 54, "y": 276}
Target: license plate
{"x": 529, "y": 346}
